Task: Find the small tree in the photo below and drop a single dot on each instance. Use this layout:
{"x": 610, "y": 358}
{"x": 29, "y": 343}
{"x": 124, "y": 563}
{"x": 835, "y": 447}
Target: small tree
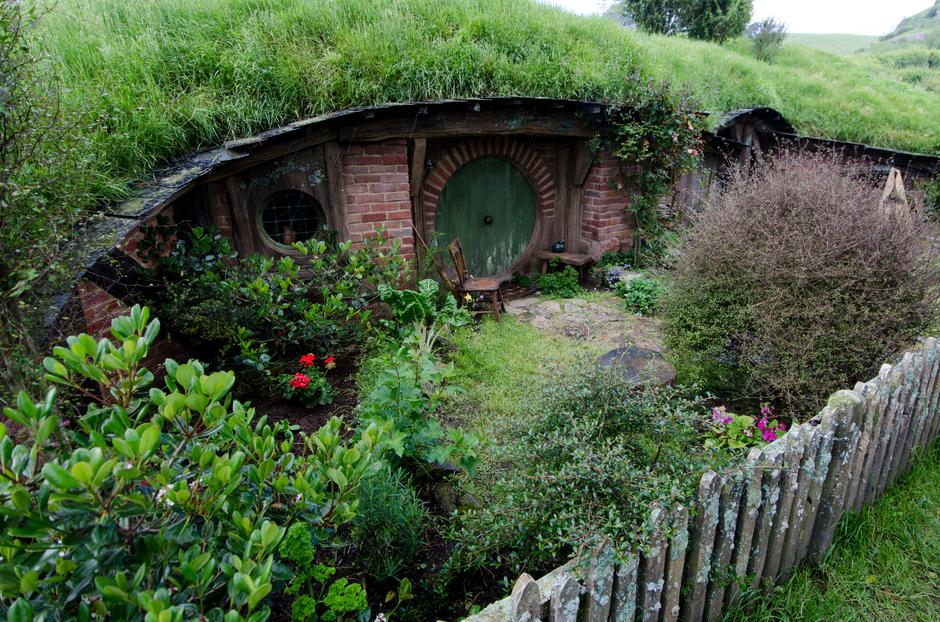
{"x": 716, "y": 20}
{"x": 710, "y": 20}
{"x": 767, "y": 36}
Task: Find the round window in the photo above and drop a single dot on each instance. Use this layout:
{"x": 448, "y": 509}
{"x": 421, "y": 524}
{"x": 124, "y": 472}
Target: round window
{"x": 292, "y": 216}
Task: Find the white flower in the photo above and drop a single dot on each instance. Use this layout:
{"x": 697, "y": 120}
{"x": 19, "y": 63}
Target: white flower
{"x": 128, "y": 465}
{"x": 298, "y": 498}
{"x": 380, "y": 618}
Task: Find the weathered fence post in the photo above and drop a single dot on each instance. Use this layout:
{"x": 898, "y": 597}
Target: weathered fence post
{"x": 794, "y": 447}
{"x": 565, "y": 599}
{"x": 747, "y": 525}
{"x": 698, "y": 563}
{"x": 653, "y": 568}
{"x": 600, "y": 583}
{"x": 623, "y": 608}
{"x": 675, "y": 564}
{"x": 525, "y": 603}
{"x": 847, "y": 411}
{"x": 732, "y": 489}
{"x": 771, "y": 465}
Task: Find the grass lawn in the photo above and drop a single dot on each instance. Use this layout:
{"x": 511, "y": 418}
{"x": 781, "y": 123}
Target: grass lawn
{"x": 884, "y": 567}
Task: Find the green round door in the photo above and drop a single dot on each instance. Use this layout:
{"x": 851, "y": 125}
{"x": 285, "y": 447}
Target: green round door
{"x": 489, "y": 205}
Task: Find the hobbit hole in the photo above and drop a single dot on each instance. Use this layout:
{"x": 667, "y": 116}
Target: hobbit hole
{"x": 509, "y": 176}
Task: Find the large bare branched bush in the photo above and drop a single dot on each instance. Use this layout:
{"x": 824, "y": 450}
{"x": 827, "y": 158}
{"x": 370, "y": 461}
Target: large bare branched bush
{"x": 795, "y": 281}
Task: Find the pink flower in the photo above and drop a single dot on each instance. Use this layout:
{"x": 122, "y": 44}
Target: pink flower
{"x": 307, "y": 360}
{"x": 720, "y": 414}
{"x": 769, "y": 436}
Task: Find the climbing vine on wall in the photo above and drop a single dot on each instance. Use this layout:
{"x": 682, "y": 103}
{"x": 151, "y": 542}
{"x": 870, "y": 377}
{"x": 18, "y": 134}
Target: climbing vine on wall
{"x": 655, "y": 136}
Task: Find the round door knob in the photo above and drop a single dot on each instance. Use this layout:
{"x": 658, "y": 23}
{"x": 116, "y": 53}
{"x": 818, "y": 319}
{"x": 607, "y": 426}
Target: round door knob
{"x": 488, "y": 220}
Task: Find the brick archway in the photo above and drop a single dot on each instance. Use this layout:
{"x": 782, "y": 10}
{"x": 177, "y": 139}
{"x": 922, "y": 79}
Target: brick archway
{"x": 524, "y": 156}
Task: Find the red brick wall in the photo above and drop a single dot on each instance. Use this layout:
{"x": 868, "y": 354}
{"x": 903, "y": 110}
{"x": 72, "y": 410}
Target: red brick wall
{"x": 375, "y": 180}
{"x": 606, "y": 225}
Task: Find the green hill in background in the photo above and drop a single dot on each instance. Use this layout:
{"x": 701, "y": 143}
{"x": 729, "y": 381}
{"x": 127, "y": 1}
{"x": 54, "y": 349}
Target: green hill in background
{"x": 840, "y": 45}
{"x": 170, "y": 76}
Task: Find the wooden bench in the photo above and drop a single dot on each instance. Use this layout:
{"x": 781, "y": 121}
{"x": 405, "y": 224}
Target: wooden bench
{"x": 575, "y": 260}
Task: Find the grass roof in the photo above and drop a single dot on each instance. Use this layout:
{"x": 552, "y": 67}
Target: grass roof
{"x": 170, "y": 76}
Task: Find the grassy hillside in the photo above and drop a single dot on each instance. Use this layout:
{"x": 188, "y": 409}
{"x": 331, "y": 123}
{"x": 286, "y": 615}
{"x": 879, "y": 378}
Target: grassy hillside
{"x": 838, "y": 44}
{"x": 911, "y": 52}
{"x": 923, "y": 27}
{"x": 169, "y": 76}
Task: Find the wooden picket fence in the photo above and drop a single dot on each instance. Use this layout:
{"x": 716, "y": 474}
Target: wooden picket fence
{"x": 754, "y": 523}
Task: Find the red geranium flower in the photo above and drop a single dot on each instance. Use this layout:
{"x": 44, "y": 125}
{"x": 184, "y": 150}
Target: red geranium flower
{"x": 300, "y": 381}
{"x": 330, "y": 362}
{"x": 307, "y": 360}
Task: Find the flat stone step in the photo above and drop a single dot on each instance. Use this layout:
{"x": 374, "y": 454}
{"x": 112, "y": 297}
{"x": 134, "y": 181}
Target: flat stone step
{"x": 639, "y": 366}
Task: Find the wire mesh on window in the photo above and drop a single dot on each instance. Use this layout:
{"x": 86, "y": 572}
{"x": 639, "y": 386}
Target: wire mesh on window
{"x": 292, "y": 216}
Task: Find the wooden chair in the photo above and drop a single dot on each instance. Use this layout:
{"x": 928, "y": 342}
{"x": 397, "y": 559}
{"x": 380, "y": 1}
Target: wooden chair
{"x": 470, "y": 285}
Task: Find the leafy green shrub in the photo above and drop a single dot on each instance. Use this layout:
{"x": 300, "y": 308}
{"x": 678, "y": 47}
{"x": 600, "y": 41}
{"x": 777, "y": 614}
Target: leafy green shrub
{"x": 426, "y": 305}
{"x": 766, "y": 36}
{"x": 795, "y": 282}
{"x": 405, "y": 396}
{"x": 389, "y": 523}
{"x": 261, "y": 314}
{"x": 560, "y": 284}
{"x": 316, "y": 597}
{"x": 590, "y": 457}
{"x": 159, "y": 504}
{"x": 641, "y": 294}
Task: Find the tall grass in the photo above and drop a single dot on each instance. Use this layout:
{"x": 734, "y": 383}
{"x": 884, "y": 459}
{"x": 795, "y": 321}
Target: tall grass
{"x": 169, "y": 76}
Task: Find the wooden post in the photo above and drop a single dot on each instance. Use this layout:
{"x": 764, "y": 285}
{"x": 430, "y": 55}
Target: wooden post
{"x": 746, "y": 527}
{"x": 623, "y": 609}
{"x": 771, "y": 464}
{"x": 798, "y": 511}
{"x": 600, "y": 583}
{"x": 732, "y": 489}
{"x": 912, "y": 410}
{"x": 525, "y": 603}
{"x": 653, "y": 568}
{"x": 858, "y": 476}
{"x": 848, "y": 410}
{"x": 795, "y": 445}
{"x": 564, "y": 600}
{"x": 825, "y": 433}
{"x": 929, "y": 382}
{"x": 698, "y": 564}
{"x": 876, "y": 449}
{"x": 892, "y": 424}
{"x": 675, "y": 564}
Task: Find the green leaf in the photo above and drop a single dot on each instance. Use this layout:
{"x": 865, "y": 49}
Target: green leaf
{"x": 258, "y": 595}
{"x": 29, "y": 581}
{"x": 20, "y": 497}
{"x": 82, "y": 472}
{"x": 148, "y": 440}
{"x": 58, "y": 476}
{"x": 45, "y": 429}
{"x": 20, "y": 611}
{"x": 337, "y": 476}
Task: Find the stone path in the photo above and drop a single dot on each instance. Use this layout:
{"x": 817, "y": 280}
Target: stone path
{"x": 602, "y": 320}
